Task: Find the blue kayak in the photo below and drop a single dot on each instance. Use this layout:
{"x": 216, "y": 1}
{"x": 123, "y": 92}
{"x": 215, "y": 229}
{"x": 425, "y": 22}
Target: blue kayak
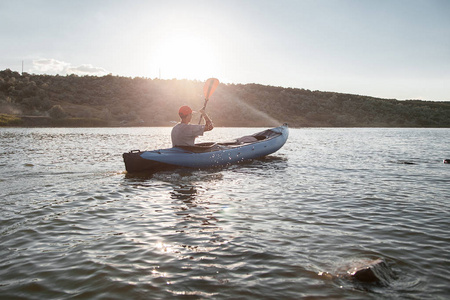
{"x": 207, "y": 155}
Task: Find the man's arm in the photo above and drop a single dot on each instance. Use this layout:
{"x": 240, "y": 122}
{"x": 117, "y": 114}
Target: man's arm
{"x": 209, "y": 125}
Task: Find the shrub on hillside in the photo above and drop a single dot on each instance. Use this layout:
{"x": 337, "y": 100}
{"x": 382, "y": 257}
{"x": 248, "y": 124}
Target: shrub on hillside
{"x": 57, "y": 112}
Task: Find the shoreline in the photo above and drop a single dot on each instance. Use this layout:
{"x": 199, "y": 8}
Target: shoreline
{"x": 27, "y": 121}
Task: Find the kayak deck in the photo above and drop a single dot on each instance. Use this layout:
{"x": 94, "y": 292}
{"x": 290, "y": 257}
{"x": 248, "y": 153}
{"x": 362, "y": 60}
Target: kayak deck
{"x": 249, "y": 139}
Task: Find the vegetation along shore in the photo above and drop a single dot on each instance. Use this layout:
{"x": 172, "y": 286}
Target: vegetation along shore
{"x": 74, "y": 101}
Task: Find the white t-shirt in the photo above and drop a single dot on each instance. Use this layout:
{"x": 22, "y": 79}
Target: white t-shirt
{"x": 184, "y": 134}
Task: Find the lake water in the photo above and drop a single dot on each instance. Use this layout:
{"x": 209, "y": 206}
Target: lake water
{"x": 74, "y": 225}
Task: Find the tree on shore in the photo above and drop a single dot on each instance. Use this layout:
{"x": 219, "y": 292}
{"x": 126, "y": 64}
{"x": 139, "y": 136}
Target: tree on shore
{"x": 57, "y": 112}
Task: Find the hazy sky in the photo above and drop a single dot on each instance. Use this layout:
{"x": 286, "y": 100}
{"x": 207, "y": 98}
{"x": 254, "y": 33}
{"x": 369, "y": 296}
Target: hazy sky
{"x": 383, "y": 48}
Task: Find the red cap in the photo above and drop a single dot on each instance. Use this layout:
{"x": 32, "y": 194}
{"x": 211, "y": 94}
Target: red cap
{"x": 184, "y": 111}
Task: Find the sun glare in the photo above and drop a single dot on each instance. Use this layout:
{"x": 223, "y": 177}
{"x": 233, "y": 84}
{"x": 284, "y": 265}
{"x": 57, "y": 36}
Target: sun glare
{"x": 185, "y": 57}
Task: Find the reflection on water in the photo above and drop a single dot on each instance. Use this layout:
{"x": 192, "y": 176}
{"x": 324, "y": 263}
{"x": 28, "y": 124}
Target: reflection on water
{"x": 292, "y": 225}
{"x": 185, "y": 193}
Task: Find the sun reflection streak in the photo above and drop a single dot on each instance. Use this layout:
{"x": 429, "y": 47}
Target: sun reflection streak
{"x": 165, "y": 248}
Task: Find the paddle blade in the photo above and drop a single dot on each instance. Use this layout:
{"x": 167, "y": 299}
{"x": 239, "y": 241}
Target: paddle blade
{"x": 210, "y": 86}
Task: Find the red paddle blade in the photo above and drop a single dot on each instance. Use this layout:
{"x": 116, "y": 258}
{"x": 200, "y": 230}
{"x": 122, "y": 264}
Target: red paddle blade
{"x": 210, "y": 86}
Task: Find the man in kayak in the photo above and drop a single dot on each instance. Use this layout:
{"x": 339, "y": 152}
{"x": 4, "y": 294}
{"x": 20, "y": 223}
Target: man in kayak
{"x": 184, "y": 134}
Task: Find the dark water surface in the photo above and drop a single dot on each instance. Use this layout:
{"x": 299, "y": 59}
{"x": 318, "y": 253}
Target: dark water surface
{"x": 74, "y": 225}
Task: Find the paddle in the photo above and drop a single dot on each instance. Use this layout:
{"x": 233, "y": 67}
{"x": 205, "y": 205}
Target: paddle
{"x": 209, "y": 88}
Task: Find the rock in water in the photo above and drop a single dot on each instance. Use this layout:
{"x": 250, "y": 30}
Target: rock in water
{"x": 376, "y": 271}
{"x": 365, "y": 274}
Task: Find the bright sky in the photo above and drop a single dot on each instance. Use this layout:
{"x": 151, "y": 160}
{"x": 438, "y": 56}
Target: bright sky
{"x": 385, "y": 48}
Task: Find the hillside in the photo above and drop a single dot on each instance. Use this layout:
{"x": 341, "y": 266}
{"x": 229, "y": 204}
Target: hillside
{"x": 44, "y": 100}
